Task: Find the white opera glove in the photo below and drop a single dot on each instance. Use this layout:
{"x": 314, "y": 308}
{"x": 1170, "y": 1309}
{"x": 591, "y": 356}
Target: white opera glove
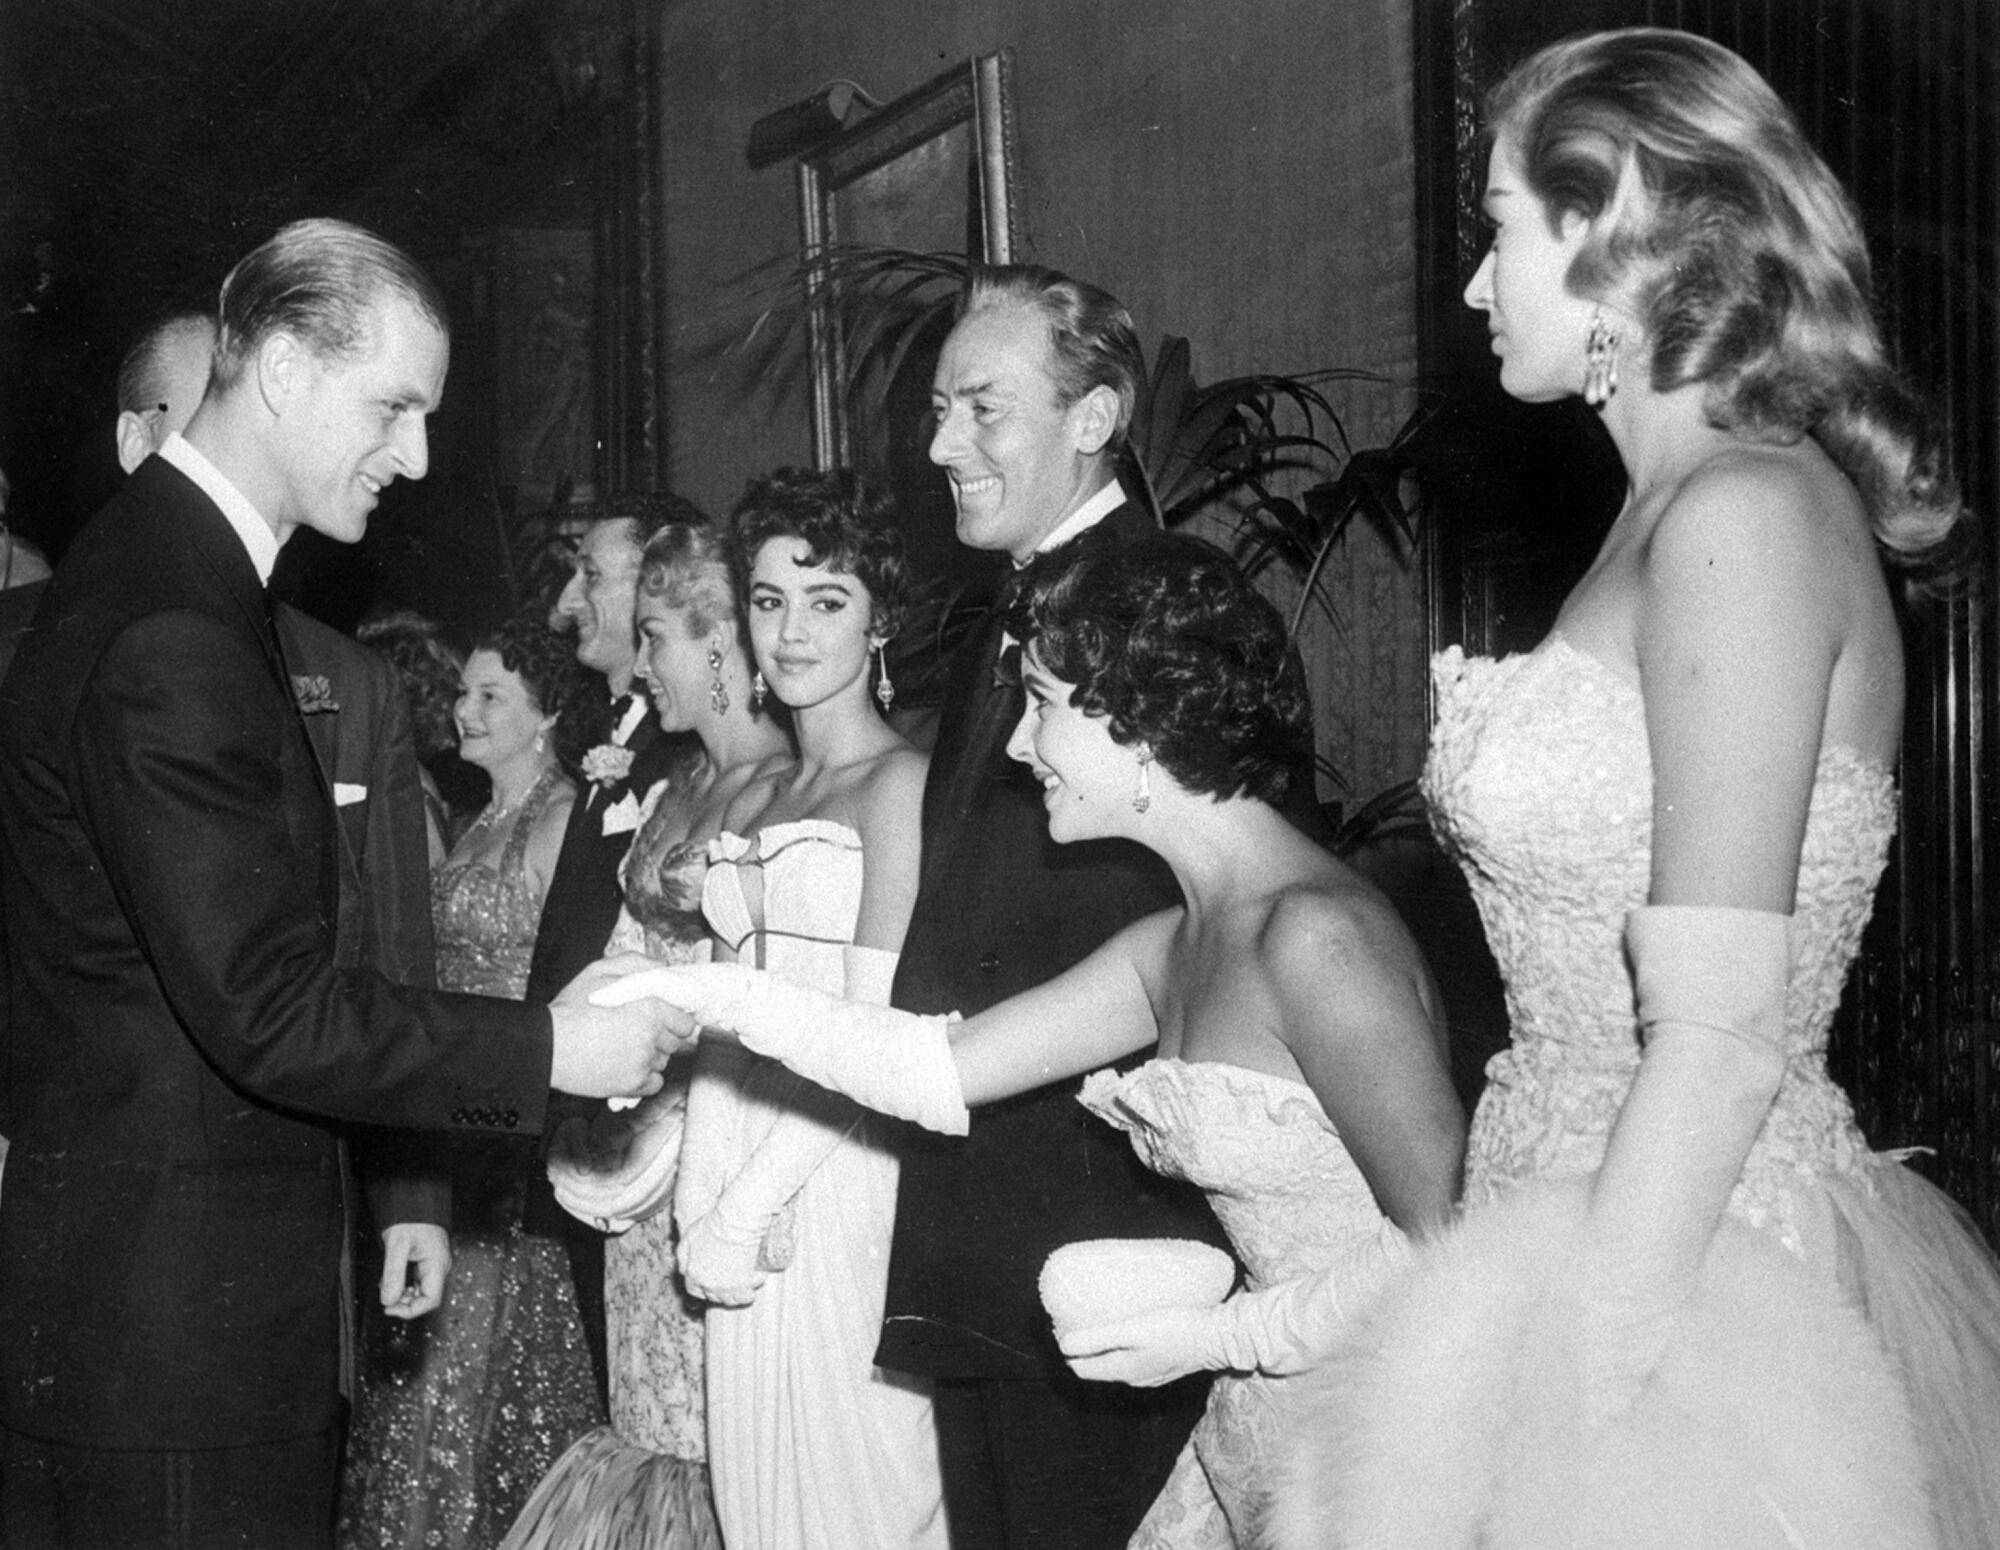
{"x": 727, "y": 1254}
{"x": 896, "y": 1063}
{"x": 618, "y": 1168}
{"x": 1278, "y": 1330}
{"x": 1710, "y": 989}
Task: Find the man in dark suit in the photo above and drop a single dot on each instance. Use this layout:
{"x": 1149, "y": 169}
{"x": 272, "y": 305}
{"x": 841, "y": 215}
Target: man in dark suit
{"x": 601, "y": 603}
{"x": 359, "y": 721}
{"x": 1034, "y": 390}
{"x": 181, "y": 1032}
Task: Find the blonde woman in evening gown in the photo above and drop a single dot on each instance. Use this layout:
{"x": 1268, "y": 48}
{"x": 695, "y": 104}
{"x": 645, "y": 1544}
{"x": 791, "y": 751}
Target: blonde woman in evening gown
{"x": 1687, "y": 1305}
{"x": 642, "y": 1482}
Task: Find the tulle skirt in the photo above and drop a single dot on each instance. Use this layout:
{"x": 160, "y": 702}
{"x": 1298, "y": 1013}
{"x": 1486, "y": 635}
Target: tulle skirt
{"x": 1845, "y": 1397}
{"x": 610, "y": 1494}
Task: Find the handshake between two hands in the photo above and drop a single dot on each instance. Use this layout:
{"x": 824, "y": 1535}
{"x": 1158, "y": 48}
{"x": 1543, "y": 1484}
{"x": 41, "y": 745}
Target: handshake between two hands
{"x": 614, "y": 1034}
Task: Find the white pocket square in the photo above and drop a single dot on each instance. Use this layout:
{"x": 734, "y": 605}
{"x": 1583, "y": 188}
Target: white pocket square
{"x": 622, "y": 816}
{"x": 346, "y": 793}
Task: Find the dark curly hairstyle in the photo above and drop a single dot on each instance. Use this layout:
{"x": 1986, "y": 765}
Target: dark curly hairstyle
{"x": 1166, "y": 638}
{"x": 559, "y": 686}
{"x": 1742, "y": 253}
{"x": 845, "y": 525}
{"x": 428, "y": 668}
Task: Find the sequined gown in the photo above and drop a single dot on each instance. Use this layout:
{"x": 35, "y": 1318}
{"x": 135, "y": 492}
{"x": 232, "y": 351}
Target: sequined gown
{"x": 1835, "y": 1378}
{"x": 1292, "y": 1202}
{"x": 642, "y": 1482}
{"x": 461, "y": 1412}
{"x": 811, "y": 1446}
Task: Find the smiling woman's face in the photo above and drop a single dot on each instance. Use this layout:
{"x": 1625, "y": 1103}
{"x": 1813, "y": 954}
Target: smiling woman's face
{"x": 497, "y": 718}
{"x": 1087, "y": 778}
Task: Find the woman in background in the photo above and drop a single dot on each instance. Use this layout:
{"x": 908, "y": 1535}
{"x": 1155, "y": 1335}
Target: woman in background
{"x": 478, "y": 1399}
{"x": 642, "y": 1482}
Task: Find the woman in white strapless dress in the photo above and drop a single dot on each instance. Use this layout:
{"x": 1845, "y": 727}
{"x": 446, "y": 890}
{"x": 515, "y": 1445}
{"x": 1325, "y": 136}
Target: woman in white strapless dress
{"x": 786, "y": 1197}
{"x": 1301, "y": 1078}
{"x": 1687, "y": 1306}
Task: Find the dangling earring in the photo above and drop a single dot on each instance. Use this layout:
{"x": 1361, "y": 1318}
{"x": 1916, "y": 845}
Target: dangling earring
{"x": 541, "y": 739}
{"x": 885, "y": 692}
{"x": 1142, "y": 797}
{"x": 1600, "y": 362}
{"x": 718, "y": 691}
{"x": 758, "y": 689}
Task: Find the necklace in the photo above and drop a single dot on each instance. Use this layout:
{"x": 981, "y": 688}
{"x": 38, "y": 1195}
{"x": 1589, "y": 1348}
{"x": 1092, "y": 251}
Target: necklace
{"x": 492, "y": 815}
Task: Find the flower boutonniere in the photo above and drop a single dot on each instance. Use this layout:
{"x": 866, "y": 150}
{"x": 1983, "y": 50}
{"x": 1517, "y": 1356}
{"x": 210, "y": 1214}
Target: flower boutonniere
{"x": 314, "y": 694}
{"x": 607, "y": 764}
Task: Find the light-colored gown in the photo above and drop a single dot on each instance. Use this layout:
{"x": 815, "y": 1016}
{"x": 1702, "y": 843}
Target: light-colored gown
{"x": 1835, "y": 1379}
{"x": 641, "y": 1483}
{"x": 810, "y": 1445}
{"x": 1292, "y": 1201}
{"x": 462, "y": 1411}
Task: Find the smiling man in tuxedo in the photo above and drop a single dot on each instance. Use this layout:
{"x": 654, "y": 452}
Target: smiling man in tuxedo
{"x": 1033, "y": 394}
{"x": 182, "y": 1035}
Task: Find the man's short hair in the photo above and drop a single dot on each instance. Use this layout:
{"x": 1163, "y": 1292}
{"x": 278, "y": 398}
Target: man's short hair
{"x": 317, "y": 279}
{"x": 647, "y": 510}
{"x": 1091, "y": 338}
{"x": 139, "y": 386}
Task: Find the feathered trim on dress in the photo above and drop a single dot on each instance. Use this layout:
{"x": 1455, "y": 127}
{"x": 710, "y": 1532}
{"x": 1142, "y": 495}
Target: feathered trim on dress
{"x": 1455, "y": 1417}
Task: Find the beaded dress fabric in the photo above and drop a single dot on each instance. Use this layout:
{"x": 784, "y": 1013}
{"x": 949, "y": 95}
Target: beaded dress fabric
{"x": 810, "y": 1444}
{"x": 1832, "y": 1378}
{"x": 462, "y": 1411}
{"x": 642, "y": 1482}
{"x": 1292, "y": 1201}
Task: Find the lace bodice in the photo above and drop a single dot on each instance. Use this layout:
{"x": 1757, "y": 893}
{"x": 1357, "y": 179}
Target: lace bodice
{"x": 486, "y": 918}
{"x": 1540, "y": 784}
{"x": 1274, "y": 1169}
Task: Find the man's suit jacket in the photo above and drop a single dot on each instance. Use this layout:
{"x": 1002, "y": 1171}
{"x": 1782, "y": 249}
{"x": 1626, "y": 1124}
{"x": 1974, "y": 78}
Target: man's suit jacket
{"x": 582, "y": 903}
{"x": 360, "y": 729}
{"x": 1001, "y": 908}
{"x": 180, "y": 1032}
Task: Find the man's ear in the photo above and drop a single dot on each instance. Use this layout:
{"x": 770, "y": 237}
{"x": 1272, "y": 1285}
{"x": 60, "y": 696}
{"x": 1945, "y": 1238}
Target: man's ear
{"x": 280, "y": 365}
{"x": 1094, "y": 419}
{"x": 135, "y": 440}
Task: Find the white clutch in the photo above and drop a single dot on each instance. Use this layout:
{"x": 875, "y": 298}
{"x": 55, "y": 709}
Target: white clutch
{"x": 1104, "y": 1279}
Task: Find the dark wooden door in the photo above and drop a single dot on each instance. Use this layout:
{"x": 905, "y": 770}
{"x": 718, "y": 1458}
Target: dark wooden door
{"x": 1902, "y": 97}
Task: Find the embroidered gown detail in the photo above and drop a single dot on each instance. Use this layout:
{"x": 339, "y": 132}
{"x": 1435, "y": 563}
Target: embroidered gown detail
{"x": 641, "y": 1483}
{"x": 462, "y": 1411}
{"x": 1292, "y": 1201}
{"x": 810, "y": 1444}
{"x": 1833, "y": 1379}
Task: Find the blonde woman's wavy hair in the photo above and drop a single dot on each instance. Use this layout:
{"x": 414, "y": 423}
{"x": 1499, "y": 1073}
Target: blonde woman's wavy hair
{"x": 1737, "y": 248}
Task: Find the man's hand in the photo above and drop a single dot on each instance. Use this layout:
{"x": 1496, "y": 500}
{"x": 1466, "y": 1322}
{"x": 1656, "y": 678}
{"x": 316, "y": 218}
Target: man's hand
{"x": 614, "y": 1052}
{"x": 416, "y": 1259}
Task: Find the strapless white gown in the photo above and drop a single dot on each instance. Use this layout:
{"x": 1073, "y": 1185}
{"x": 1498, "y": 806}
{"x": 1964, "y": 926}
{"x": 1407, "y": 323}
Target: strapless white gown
{"x": 1292, "y": 1201}
{"x": 1836, "y": 1382}
{"x": 810, "y": 1445}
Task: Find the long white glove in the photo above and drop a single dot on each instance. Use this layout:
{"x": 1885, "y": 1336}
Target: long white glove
{"x": 1710, "y": 986}
{"x": 896, "y": 1063}
{"x": 1281, "y": 1329}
